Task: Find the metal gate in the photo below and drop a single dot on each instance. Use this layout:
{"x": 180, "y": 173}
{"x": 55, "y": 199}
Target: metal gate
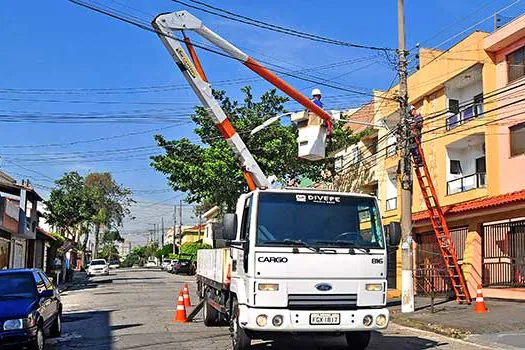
{"x": 504, "y": 254}
{"x": 430, "y": 274}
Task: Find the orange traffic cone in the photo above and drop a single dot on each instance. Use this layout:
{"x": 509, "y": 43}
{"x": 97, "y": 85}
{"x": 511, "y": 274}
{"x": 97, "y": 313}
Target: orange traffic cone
{"x": 480, "y": 306}
{"x": 180, "y": 314}
{"x": 186, "y": 295}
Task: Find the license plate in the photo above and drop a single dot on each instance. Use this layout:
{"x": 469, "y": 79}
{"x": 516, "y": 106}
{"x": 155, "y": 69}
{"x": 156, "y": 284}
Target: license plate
{"x": 325, "y": 318}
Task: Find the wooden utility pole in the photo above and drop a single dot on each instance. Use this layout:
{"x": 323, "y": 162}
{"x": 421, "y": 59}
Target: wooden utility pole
{"x": 407, "y": 277}
{"x": 174, "y": 226}
{"x": 162, "y": 231}
{"x": 180, "y": 224}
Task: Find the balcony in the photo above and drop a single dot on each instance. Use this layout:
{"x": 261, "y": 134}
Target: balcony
{"x": 464, "y": 94}
{"x": 391, "y": 203}
{"x": 470, "y": 112}
{"x": 466, "y": 183}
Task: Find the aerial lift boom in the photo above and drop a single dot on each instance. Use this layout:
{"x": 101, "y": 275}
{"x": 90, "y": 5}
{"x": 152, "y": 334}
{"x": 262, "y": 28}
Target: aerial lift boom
{"x": 165, "y": 26}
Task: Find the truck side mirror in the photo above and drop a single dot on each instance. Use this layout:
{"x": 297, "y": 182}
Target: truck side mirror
{"x": 229, "y": 227}
{"x": 394, "y": 233}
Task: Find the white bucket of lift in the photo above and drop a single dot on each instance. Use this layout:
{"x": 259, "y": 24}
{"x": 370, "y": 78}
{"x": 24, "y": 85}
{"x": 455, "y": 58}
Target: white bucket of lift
{"x": 312, "y": 135}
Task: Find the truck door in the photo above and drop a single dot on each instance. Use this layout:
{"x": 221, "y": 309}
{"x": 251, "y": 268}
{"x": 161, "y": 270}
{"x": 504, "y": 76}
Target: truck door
{"x": 241, "y": 256}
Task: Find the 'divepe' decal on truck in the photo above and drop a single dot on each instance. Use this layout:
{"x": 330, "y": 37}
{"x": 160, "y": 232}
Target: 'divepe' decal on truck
{"x": 317, "y": 198}
{"x": 273, "y": 259}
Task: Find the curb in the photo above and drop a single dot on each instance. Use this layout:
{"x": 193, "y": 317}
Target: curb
{"x": 456, "y": 333}
{"x": 466, "y": 342}
{"x": 68, "y": 285}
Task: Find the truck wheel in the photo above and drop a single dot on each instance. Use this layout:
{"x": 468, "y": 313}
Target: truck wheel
{"x": 358, "y": 340}
{"x": 240, "y": 340}
{"x": 211, "y": 316}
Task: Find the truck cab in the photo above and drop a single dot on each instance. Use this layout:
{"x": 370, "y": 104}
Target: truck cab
{"x": 304, "y": 261}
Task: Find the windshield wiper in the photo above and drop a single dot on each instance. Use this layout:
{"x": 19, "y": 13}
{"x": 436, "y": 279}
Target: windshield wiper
{"x": 352, "y": 246}
{"x": 296, "y": 243}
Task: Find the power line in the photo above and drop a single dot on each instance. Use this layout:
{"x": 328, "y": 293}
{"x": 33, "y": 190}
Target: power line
{"x": 467, "y": 29}
{"x": 276, "y": 28}
{"x": 88, "y": 141}
{"x": 280, "y": 70}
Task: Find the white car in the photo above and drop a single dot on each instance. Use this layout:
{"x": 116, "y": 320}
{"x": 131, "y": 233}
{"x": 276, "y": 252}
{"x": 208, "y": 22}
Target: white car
{"x": 165, "y": 264}
{"x": 98, "y": 267}
{"x": 151, "y": 263}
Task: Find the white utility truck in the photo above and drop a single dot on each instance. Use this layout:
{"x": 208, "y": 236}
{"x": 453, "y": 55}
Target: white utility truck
{"x": 296, "y": 261}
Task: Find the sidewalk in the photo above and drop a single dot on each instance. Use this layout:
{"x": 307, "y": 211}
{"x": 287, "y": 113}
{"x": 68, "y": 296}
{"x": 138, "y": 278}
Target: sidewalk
{"x": 79, "y": 277}
{"x": 460, "y": 321}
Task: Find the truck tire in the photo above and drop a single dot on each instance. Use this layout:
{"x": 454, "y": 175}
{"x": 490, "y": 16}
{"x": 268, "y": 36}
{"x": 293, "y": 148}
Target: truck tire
{"x": 358, "y": 340}
{"x": 240, "y": 340}
{"x": 211, "y": 316}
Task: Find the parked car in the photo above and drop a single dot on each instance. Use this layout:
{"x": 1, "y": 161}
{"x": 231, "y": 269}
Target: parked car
{"x": 151, "y": 263}
{"x": 30, "y": 309}
{"x": 170, "y": 268}
{"x": 98, "y": 267}
{"x": 165, "y": 264}
{"x": 114, "y": 264}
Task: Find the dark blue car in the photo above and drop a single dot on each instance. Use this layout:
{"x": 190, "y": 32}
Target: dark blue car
{"x": 30, "y": 309}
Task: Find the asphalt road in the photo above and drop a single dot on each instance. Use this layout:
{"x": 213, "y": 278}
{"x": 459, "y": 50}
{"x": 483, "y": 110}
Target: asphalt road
{"x": 133, "y": 309}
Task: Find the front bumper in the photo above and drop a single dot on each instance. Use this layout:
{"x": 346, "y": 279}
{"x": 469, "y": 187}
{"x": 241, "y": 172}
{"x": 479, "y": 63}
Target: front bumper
{"x": 299, "y": 321}
{"x": 17, "y": 338}
{"x": 98, "y": 272}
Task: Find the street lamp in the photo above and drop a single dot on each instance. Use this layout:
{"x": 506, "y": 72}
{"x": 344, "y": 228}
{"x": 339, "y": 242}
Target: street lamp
{"x": 267, "y": 123}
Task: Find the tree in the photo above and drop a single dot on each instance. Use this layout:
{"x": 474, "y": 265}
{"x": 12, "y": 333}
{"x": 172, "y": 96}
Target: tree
{"x": 208, "y": 171}
{"x": 110, "y": 201}
{"x": 79, "y": 205}
{"x": 69, "y": 206}
{"x": 164, "y": 251}
{"x": 108, "y": 252}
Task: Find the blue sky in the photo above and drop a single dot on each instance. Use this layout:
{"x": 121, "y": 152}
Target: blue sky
{"x": 58, "y": 45}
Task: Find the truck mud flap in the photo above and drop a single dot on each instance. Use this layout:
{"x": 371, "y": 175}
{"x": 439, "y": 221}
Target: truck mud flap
{"x": 196, "y": 310}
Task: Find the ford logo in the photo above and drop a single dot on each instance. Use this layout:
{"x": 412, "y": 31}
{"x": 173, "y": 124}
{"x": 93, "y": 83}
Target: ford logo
{"x": 323, "y": 287}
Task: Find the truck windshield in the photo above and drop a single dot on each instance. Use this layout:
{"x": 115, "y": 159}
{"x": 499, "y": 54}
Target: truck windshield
{"x": 318, "y": 220}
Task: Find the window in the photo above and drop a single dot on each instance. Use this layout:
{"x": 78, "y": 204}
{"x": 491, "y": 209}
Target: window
{"x": 338, "y": 163}
{"x": 319, "y": 220}
{"x": 40, "y": 285}
{"x": 455, "y": 167}
{"x": 356, "y": 155}
{"x": 516, "y": 64}
{"x": 19, "y": 284}
{"x": 453, "y": 106}
{"x": 517, "y": 139}
{"x": 47, "y": 282}
{"x": 245, "y": 225}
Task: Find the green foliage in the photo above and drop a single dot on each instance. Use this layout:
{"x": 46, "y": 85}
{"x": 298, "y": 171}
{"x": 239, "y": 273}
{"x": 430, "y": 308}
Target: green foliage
{"x": 208, "y": 171}
{"x": 69, "y": 204}
{"x": 192, "y": 248}
{"x": 164, "y": 251}
{"x": 108, "y": 252}
{"x": 94, "y": 203}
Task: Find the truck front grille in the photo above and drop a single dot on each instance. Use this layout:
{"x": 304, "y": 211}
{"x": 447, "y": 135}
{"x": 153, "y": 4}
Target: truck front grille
{"x": 322, "y": 301}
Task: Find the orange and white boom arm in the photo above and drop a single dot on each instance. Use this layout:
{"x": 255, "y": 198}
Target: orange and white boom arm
{"x": 165, "y": 25}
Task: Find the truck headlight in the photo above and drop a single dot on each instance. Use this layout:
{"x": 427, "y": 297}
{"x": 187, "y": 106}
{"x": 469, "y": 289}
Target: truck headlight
{"x": 368, "y": 320}
{"x": 381, "y": 321}
{"x": 268, "y": 287}
{"x": 278, "y": 320}
{"x": 261, "y": 320}
{"x": 13, "y": 324}
{"x": 374, "y": 287}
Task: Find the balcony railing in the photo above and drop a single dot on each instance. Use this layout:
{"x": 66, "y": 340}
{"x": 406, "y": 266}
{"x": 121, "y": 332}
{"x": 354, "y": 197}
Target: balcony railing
{"x": 391, "y": 203}
{"x": 473, "y": 111}
{"x": 391, "y": 150}
{"x": 466, "y": 183}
